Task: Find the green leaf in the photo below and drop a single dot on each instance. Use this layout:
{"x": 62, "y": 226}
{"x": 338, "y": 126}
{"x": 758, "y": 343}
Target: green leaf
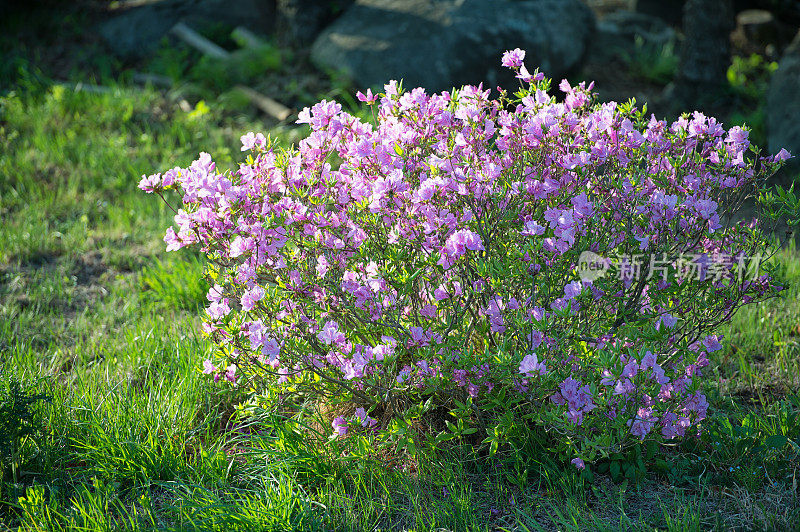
{"x": 652, "y": 449}
{"x": 615, "y": 470}
{"x": 444, "y": 436}
{"x": 776, "y": 441}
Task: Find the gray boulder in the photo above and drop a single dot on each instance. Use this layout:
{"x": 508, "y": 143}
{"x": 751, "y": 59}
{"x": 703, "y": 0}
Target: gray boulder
{"x": 439, "y": 44}
{"x": 300, "y": 21}
{"x": 783, "y": 109}
{"x": 135, "y": 32}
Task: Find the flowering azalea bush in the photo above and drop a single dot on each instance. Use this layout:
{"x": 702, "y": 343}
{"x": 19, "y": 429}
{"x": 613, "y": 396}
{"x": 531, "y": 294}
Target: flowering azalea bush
{"x": 465, "y": 265}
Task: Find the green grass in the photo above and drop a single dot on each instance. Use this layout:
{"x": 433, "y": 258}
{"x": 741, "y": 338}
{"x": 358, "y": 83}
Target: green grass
{"x": 763, "y": 353}
{"x": 654, "y": 63}
{"x": 98, "y": 319}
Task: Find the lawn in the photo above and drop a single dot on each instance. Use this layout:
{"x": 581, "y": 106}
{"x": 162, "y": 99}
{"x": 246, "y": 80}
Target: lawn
{"x": 107, "y": 423}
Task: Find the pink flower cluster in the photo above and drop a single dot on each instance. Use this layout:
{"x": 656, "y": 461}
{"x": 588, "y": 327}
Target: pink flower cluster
{"x": 359, "y": 420}
{"x": 435, "y": 250}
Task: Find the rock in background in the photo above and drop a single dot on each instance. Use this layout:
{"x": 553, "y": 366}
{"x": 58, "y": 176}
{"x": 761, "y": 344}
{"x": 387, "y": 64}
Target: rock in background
{"x": 135, "y": 32}
{"x": 783, "y": 110}
{"x": 440, "y": 44}
{"x": 300, "y": 21}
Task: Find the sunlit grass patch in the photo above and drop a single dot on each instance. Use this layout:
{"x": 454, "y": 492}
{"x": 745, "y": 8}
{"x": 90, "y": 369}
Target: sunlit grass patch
{"x": 176, "y": 285}
{"x": 762, "y": 353}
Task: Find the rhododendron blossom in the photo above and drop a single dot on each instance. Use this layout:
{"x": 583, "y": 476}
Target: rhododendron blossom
{"x": 429, "y": 259}
{"x": 531, "y": 364}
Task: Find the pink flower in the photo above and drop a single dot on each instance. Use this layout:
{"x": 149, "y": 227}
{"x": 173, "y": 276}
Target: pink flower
{"x": 457, "y": 244}
{"x": 648, "y": 360}
{"x": 531, "y": 364}
{"x": 149, "y": 183}
{"x": 572, "y": 290}
{"x": 330, "y": 334}
{"x": 240, "y": 246}
{"x": 668, "y": 320}
{"x": 513, "y": 58}
{"x": 364, "y": 419}
{"x": 271, "y": 348}
{"x": 471, "y": 240}
{"x": 535, "y": 339}
{"x": 214, "y": 294}
{"x": 208, "y": 367}
{"x": 219, "y": 309}
{"x": 418, "y": 336}
{"x": 251, "y": 140}
{"x": 428, "y": 311}
{"x": 705, "y": 208}
{"x": 339, "y": 426}
{"x": 578, "y": 463}
{"x": 322, "y": 265}
{"x": 711, "y": 343}
{"x": 527, "y": 77}
{"x": 532, "y": 229}
{"x": 631, "y": 369}
{"x": 369, "y": 98}
{"x": 251, "y": 297}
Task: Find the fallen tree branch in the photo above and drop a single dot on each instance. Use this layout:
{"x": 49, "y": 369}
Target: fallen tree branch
{"x": 268, "y": 105}
{"x": 271, "y": 107}
{"x": 156, "y": 80}
{"x": 194, "y": 39}
{"x": 94, "y": 89}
